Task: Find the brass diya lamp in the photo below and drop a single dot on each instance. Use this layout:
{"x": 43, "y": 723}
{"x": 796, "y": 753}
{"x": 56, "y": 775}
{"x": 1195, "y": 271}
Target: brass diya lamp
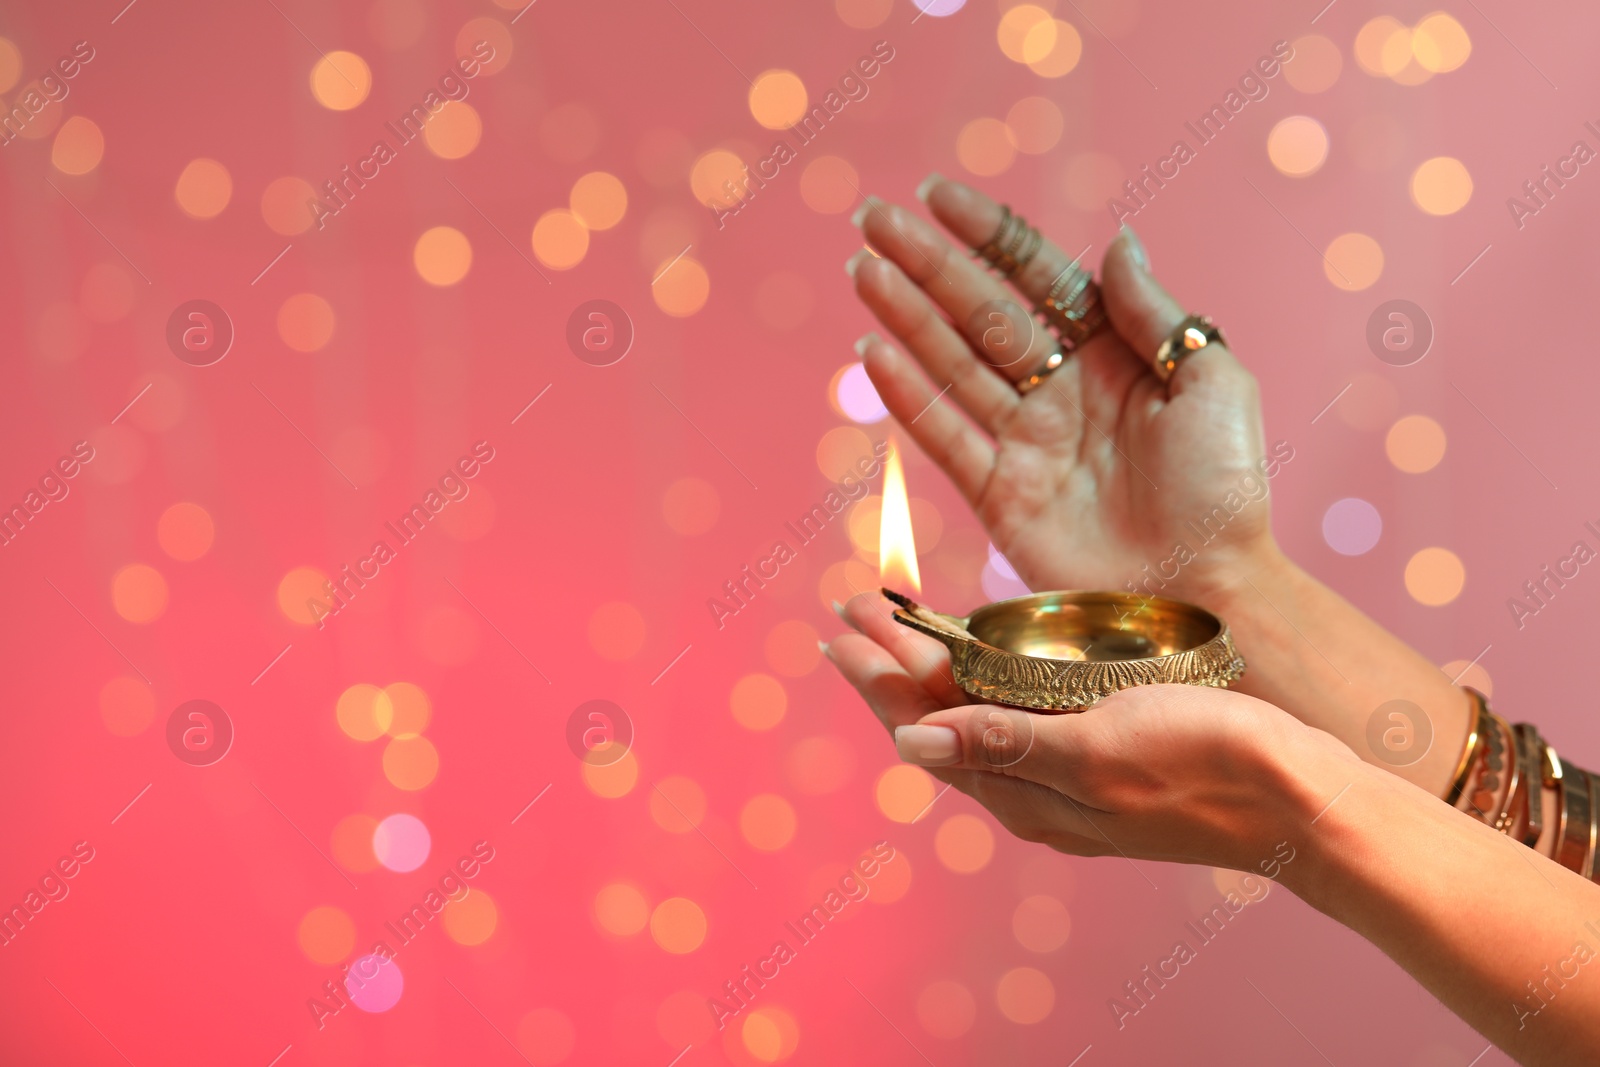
{"x": 1065, "y": 651}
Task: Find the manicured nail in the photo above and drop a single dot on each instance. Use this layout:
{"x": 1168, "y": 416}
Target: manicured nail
{"x": 1136, "y": 247}
{"x": 859, "y": 216}
{"x": 927, "y": 186}
{"x": 928, "y": 746}
{"x": 822, "y": 646}
{"x": 864, "y": 340}
{"x": 854, "y": 261}
{"x": 838, "y": 609}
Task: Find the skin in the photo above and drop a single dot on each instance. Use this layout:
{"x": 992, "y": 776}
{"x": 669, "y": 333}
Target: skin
{"x": 1098, "y": 472}
{"x": 1080, "y": 484}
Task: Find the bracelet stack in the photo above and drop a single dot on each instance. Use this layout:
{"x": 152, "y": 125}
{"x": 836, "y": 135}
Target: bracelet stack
{"x": 1503, "y": 778}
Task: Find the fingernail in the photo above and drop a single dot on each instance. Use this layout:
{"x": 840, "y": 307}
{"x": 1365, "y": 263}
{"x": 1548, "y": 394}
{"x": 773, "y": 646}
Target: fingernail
{"x": 1136, "y": 247}
{"x": 822, "y": 646}
{"x": 838, "y": 609}
{"x": 854, "y": 261}
{"x": 864, "y": 340}
{"x": 927, "y": 186}
{"x": 859, "y": 216}
{"x": 928, "y": 746}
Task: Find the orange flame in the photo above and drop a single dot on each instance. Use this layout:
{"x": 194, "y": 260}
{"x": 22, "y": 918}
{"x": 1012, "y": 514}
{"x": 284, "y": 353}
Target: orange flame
{"x": 897, "y": 549}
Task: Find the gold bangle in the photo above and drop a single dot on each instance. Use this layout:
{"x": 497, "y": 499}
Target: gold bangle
{"x": 1594, "y": 827}
{"x": 1515, "y": 777}
{"x": 1530, "y": 750}
{"x": 1573, "y": 848}
{"x": 1469, "y": 751}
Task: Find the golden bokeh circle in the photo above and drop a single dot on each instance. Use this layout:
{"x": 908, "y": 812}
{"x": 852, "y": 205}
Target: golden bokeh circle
{"x": 560, "y": 240}
{"x": 617, "y": 630}
{"x": 341, "y": 81}
{"x": 1435, "y": 576}
{"x": 946, "y": 1009}
{"x": 1015, "y": 34}
{"x": 1415, "y": 444}
{"x": 717, "y": 178}
{"x": 326, "y": 935}
{"x": 1065, "y": 48}
{"x": 903, "y": 792}
{"x": 691, "y": 506}
{"x": 1440, "y": 43}
{"x": 770, "y": 1034}
{"x": 306, "y": 322}
{"x": 1316, "y": 65}
{"x": 681, "y": 288}
{"x": 620, "y": 909}
{"x": 1041, "y": 923}
{"x": 1297, "y": 146}
{"x": 442, "y": 256}
{"x": 610, "y": 780}
{"x": 410, "y": 763}
{"x": 410, "y": 709}
{"x": 1034, "y": 124}
{"x": 283, "y": 206}
{"x": 79, "y": 146}
{"x": 455, "y": 131}
{"x": 363, "y": 712}
{"x": 1353, "y": 261}
{"x": 791, "y": 648}
{"x": 829, "y": 185}
{"x": 185, "y": 531}
{"x": 984, "y": 147}
{"x": 767, "y": 822}
{"x": 840, "y": 449}
{"x": 472, "y": 919}
{"x": 863, "y": 14}
{"x": 678, "y": 925}
{"x": 964, "y": 843}
{"x": 1441, "y": 185}
{"x": 599, "y": 200}
{"x": 139, "y": 593}
{"x": 778, "y": 99}
{"x": 677, "y": 804}
{"x": 204, "y": 189}
{"x": 758, "y": 702}
{"x": 1025, "y": 995}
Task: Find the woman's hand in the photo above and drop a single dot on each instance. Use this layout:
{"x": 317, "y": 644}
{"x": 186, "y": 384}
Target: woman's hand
{"x": 1104, "y": 477}
{"x": 1170, "y": 772}
{"x": 1100, "y": 471}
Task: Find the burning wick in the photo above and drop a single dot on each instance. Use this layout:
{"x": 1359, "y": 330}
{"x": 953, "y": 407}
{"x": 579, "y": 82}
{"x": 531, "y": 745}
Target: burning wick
{"x": 897, "y": 549}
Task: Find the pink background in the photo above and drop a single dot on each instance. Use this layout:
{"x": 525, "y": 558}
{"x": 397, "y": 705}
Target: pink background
{"x": 177, "y": 943}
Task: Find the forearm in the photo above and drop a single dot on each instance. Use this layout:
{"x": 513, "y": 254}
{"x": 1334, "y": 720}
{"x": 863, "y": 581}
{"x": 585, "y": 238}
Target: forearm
{"x": 1312, "y": 653}
{"x": 1508, "y": 940}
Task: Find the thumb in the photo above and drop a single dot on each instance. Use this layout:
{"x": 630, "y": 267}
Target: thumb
{"x": 996, "y": 738}
{"x": 1144, "y": 314}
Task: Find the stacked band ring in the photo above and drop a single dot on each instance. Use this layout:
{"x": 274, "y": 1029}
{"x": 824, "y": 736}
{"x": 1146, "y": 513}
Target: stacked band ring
{"x": 1013, "y": 245}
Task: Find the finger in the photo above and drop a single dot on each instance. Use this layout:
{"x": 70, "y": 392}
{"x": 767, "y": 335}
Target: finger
{"x": 999, "y": 330}
{"x": 1032, "y": 812}
{"x": 894, "y": 696}
{"x": 972, "y": 218}
{"x": 964, "y": 454}
{"x": 1049, "y": 749}
{"x": 1144, "y": 314}
{"x": 921, "y": 656}
{"x": 910, "y": 315}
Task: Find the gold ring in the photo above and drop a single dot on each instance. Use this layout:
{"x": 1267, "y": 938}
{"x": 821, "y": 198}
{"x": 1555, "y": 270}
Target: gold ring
{"x": 1013, "y": 245}
{"x": 1072, "y": 306}
{"x": 1187, "y": 338}
{"x": 1051, "y": 364}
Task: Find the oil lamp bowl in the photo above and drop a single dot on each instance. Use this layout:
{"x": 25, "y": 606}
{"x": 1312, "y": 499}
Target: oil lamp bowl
{"x": 1065, "y": 651}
